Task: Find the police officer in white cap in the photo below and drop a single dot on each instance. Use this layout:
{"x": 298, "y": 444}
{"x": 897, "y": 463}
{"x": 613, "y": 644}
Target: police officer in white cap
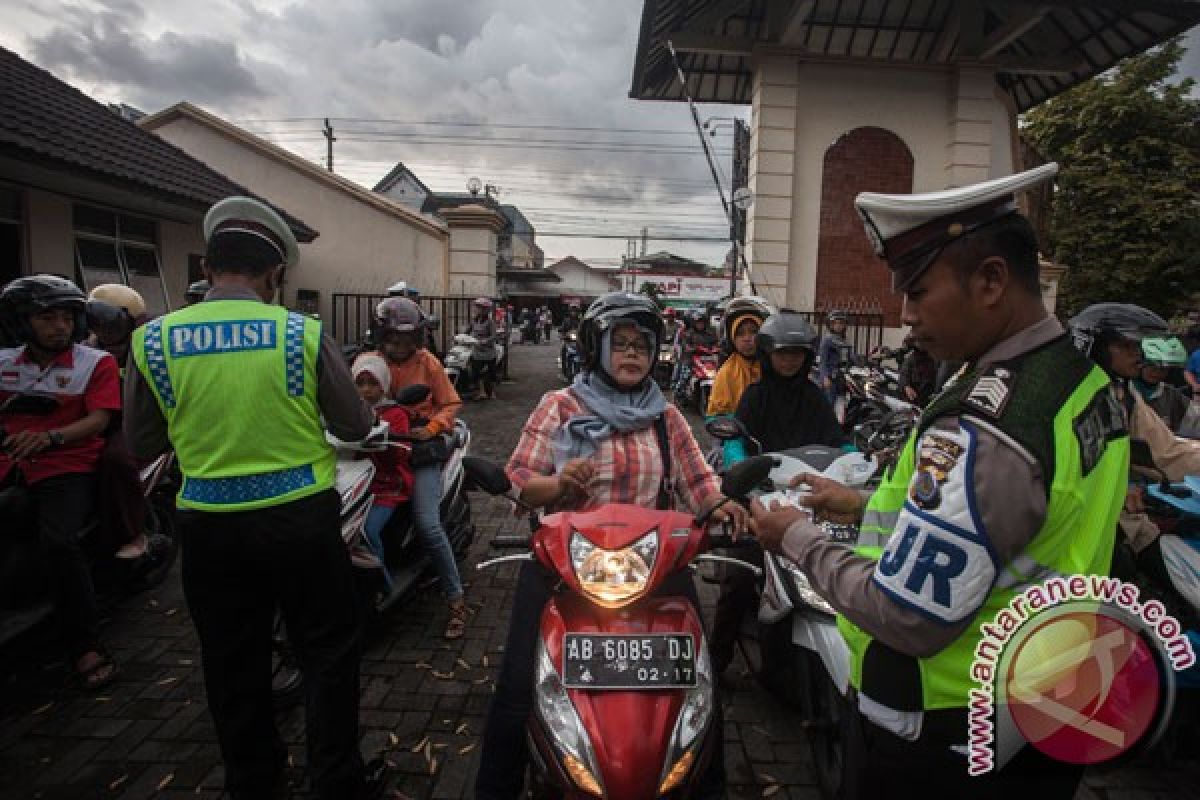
{"x": 238, "y": 387}
{"x": 1014, "y": 473}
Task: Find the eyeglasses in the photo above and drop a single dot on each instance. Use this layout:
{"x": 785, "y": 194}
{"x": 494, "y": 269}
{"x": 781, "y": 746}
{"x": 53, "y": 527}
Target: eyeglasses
{"x": 637, "y": 344}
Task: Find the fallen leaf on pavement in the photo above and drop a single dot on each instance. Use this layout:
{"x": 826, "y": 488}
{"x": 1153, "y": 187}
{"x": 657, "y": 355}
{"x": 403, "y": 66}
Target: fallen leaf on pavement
{"x": 395, "y": 740}
{"x": 445, "y": 676}
{"x": 460, "y": 730}
{"x": 112, "y": 787}
{"x": 417, "y": 747}
{"x": 170, "y": 776}
{"x": 44, "y": 708}
{"x": 433, "y": 766}
{"x": 463, "y": 664}
{"x": 771, "y": 790}
{"x": 463, "y": 751}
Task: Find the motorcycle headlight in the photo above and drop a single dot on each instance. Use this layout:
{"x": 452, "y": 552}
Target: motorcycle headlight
{"x": 613, "y": 578}
{"x": 693, "y": 721}
{"x": 557, "y": 712}
{"x": 804, "y": 589}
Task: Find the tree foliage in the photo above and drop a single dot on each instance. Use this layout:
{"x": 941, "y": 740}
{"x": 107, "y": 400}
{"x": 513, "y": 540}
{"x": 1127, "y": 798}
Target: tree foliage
{"x": 1125, "y": 218}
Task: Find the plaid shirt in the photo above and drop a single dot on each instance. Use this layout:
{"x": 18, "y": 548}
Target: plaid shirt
{"x": 628, "y": 466}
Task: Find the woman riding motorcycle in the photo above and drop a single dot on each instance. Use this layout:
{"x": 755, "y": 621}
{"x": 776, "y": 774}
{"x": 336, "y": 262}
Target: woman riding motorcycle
{"x": 484, "y": 354}
{"x": 599, "y": 441}
{"x": 400, "y": 329}
{"x": 1160, "y": 355}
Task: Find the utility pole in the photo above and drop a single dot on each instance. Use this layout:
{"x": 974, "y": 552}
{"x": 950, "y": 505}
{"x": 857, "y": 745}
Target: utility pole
{"x": 645, "y": 232}
{"x": 329, "y": 140}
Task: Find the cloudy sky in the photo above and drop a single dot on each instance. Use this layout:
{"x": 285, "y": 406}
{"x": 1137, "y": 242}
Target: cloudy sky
{"x": 546, "y": 80}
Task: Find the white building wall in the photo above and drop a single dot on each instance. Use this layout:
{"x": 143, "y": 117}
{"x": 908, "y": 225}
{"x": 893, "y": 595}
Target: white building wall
{"x": 360, "y": 249}
{"x": 50, "y": 231}
{"x": 957, "y": 126}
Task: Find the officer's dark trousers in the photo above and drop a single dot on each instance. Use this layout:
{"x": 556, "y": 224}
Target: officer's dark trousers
{"x": 505, "y": 752}
{"x": 738, "y": 598}
{"x": 884, "y": 765}
{"x": 64, "y": 507}
{"x": 237, "y": 568}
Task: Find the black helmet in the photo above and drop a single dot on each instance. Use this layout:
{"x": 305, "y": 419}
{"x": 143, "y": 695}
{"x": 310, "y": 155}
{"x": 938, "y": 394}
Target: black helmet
{"x": 740, "y": 307}
{"x": 786, "y": 329}
{"x": 35, "y": 293}
{"x": 1097, "y": 325}
{"x": 196, "y": 292}
{"x": 610, "y": 309}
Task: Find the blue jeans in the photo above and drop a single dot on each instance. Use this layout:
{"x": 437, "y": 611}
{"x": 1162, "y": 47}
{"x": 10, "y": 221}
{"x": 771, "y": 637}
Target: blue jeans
{"x": 427, "y": 517}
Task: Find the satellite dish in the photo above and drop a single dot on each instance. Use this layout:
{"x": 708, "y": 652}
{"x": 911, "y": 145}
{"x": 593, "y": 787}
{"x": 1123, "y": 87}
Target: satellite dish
{"x": 474, "y": 185}
{"x": 743, "y": 198}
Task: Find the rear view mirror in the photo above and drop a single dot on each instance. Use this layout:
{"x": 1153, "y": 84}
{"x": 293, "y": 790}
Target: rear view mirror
{"x": 745, "y": 476}
{"x": 725, "y": 428}
{"x": 486, "y": 475}
{"x": 412, "y": 395}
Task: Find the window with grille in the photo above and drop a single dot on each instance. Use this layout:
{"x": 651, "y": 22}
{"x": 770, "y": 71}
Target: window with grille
{"x": 111, "y": 247}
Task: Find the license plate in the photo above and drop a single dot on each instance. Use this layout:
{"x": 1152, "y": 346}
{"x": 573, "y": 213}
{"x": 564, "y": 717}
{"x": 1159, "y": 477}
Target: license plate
{"x": 649, "y": 661}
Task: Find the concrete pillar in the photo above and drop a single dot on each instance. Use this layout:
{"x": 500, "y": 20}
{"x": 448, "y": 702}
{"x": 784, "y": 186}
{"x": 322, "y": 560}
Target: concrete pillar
{"x": 972, "y": 110}
{"x": 772, "y": 172}
{"x": 474, "y": 231}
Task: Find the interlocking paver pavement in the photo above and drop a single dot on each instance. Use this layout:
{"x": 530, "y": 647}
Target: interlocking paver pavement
{"x": 423, "y": 699}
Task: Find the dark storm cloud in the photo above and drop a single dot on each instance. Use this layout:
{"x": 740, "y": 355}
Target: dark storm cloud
{"x": 104, "y": 46}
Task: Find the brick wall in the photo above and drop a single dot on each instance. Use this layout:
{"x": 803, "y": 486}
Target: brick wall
{"x": 849, "y": 275}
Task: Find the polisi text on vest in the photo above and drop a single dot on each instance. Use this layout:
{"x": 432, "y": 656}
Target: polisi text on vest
{"x": 205, "y": 338}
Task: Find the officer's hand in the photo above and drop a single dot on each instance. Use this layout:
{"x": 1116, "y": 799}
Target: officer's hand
{"x": 736, "y": 518}
{"x": 575, "y": 477}
{"x": 421, "y": 434}
{"x": 23, "y": 444}
{"x": 1135, "y": 500}
{"x": 770, "y": 525}
{"x": 830, "y": 499}
{"x": 910, "y": 393}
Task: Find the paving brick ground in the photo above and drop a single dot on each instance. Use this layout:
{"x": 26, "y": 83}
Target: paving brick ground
{"x": 423, "y": 700}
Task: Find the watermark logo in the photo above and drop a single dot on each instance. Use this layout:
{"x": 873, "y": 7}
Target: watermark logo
{"x": 1079, "y": 668}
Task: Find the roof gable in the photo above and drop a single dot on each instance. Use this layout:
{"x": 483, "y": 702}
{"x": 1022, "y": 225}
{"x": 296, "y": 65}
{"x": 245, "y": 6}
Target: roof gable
{"x": 46, "y": 120}
{"x": 292, "y": 161}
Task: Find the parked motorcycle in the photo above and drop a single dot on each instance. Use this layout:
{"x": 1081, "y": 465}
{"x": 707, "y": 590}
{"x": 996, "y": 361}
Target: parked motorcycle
{"x": 25, "y": 589}
{"x": 569, "y": 360}
{"x": 701, "y": 372}
{"x": 385, "y": 576}
{"x": 623, "y": 693}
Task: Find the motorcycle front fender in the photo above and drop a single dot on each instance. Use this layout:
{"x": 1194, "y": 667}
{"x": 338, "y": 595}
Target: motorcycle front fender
{"x": 819, "y": 634}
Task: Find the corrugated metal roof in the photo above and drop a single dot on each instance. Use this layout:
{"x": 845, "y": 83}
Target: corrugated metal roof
{"x": 1039, "y": 49}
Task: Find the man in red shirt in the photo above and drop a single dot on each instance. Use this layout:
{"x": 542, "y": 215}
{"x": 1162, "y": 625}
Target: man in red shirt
{"x": 55, "y": 453}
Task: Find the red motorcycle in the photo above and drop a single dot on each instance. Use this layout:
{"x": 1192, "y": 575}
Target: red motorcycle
{"x": 702, "y": 371}
{"x": 623, "y": 688}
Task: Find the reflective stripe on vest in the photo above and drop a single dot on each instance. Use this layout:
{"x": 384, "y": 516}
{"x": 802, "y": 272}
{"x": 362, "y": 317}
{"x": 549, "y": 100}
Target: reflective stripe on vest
{"x": 236, "y": 382}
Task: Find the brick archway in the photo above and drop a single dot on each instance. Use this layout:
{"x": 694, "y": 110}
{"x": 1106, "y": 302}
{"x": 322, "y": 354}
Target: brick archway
{"x": 848, "y": 272}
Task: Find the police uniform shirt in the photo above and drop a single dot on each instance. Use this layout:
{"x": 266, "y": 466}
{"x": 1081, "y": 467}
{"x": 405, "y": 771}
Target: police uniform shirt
{"x": 345, "y": 414}
{"x": 1008, "y": 488}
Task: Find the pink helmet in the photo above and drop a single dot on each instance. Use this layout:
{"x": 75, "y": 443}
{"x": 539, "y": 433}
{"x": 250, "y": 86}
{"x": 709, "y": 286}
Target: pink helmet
{"x": 483, "y": 302}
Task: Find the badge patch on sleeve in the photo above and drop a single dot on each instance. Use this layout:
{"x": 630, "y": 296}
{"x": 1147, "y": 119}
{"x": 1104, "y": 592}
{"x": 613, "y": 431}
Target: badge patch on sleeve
{"x": 937, "y": 559}
{"x": 991, "y": 391}
{"x": 937, "y": 457}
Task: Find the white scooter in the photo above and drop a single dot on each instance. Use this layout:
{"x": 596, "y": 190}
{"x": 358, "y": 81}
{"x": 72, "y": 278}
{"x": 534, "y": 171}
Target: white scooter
{"x": 387, "y": 573}
{"x": 795, "y": 650}
{"x": 458, "y": 362}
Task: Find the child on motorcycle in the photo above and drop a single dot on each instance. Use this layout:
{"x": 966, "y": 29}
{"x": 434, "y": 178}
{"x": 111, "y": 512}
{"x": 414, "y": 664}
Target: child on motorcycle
{"x": 400, "y": 330}
{"x": 392, "y": 484}
{"x": 593, "y": 443}
{"x": 742, "y": 320}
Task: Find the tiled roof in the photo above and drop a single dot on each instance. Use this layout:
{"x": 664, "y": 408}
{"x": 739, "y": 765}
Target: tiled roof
{"x": 46, "y": 120}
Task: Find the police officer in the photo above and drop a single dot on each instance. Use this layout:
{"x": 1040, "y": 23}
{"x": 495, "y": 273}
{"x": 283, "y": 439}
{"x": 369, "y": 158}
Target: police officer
{"x": 238, "y": 387}
{"x": 1015, "y": 472}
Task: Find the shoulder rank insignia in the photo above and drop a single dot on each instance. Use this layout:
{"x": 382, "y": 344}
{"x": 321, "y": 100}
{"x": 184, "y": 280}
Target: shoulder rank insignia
{"x": 991, "y": 391}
